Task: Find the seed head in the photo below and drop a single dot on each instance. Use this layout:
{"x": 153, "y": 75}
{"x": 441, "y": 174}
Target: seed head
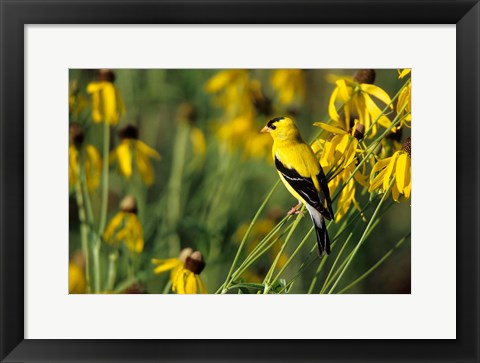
{"x": 76, "y": 134}
{"x": 359, "y": 131}
{"x": 195, "y": 262}
{"x": 365, "y": 76}
{"x": 129, "y": 204}
{"x": 407, "y": 146}
{"x": 128, "y": 132}
{"x": 106, "y": 75}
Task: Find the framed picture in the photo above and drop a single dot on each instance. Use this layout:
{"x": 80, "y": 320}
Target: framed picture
{"x": 156, "y": 207}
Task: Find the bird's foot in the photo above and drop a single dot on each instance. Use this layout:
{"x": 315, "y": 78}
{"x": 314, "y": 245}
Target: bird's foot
{"x": 295, "y": 210}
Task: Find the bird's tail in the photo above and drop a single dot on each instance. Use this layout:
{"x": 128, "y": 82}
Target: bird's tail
{"x": 323, "y": 241}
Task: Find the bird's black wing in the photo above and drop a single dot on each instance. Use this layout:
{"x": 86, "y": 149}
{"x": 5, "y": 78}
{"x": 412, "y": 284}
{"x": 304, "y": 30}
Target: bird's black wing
{"x": 304, "y": 187}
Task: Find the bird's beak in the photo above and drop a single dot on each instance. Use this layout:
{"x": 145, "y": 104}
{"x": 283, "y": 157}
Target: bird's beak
{"x": 265, "y": 129}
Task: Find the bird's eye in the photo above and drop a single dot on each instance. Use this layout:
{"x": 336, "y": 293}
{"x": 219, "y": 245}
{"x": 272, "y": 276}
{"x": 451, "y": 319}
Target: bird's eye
{"x": 273, "y": 127}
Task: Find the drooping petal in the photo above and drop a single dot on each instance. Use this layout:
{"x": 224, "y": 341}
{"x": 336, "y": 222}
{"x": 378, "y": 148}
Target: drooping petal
{"x": 180, "y": 281}
{"x": 145, "y": 168}
{"x": 377, "y": 92}
{"x": 395, "y": 193}
{"x": 166, "y": 265}
{"x": 146, "y": 150}
{"x": 116, "y": 221}
{"x": 124, "y": 156}
{"x": 376, "y": 113}
{"x": 343, "y": 144}
{"x": 400, "y": 171}
{"x": 332, "y": 111}
{"x": 330, "y": 128}
{"x": 402, "y": 73}
{"x": 72, "y": 165}
{"x": 199, "y": 144}
{"x": 390, "y": 170}
{"x": 377, "y": 182}
{"x": 190, "y": 283}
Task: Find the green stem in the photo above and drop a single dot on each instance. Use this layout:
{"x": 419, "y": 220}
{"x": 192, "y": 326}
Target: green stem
{"x": 337, "y": 258}
{"x": 112, "y": 270}
{"x": 376, "y": 265}
{"x": 83, "y": 232}
{"x": 362, "y": 239}
{"x": 103, "y": 208}
{"x": 272, "y": 267}
{"x": 244, "y": 239}
{"x": 300, "y": 245}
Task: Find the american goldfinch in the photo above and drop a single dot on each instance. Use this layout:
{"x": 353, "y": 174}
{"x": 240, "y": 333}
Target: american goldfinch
{"x": 302, "y": 175}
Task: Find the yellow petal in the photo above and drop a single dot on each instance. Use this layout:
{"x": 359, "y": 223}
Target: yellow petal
{"x": 330, "y": 128}
{"x": 124, "y": 156}
{"x": 389, "y": 171}
{"x": 343, "y": 144}
{"x": 198, "y": 141}
{"x": 400, "y": 171}
{"x": 377, "y": 92}
{"x": 377, "y": 181}
{"x": 343, "y": 90}
{"x": 402, "y": 73}
{"x": 190, "y": 283}
{"x": 332, "y": 111}
{"x": 145, "y": 168}
{"x": 376, "y": 113}
{"x": 180, "y": 281}
{"x": 201, "y": 285}
{"x": 165, "y": 265}
{"x": 380, "y": 165}
{"x": 112, "y": 226}
{"x": 146, "y": 150}
{"x": 395, "y": 193}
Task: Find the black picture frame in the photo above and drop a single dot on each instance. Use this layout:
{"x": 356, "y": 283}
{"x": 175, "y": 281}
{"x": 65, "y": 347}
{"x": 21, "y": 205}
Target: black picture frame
{"x": 16, "y": 14}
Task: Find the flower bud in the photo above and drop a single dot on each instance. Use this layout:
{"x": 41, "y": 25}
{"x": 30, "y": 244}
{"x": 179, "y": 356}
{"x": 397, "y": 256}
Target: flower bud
{"x": 365, "y": 76}
{"x": 106, "y": 75}
{"x": 129, "y": 204}
{"x": 76, "y": 134}
{"x": 195, "y": 262}
{"x": 407, "y": 146}
{"x": 128, "y": 132}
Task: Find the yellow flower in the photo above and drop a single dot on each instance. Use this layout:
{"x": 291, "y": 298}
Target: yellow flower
{"x": 76, "y": 279}
{"x": 185, "y": 271}
{"x": 356, "y": 100}
{"x": 397, "y": 167}
{"x": 107, "y": 102}
{"x": 91, "y": 160}
{"x": 289, "y": 84}
{"x": 337, "y": 158}
{"x": 171, "y": 264}
{"x": 133, "y": 152}
{"x": 125, "y": 226}
{"x": 232, "y": 91}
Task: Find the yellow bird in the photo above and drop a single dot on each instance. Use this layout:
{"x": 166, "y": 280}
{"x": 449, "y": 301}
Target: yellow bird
{"x": 302, "y": 175}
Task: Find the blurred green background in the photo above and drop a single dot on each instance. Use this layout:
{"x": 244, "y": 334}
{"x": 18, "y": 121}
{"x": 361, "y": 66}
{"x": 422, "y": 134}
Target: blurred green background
{"x": 204, "y": 201}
